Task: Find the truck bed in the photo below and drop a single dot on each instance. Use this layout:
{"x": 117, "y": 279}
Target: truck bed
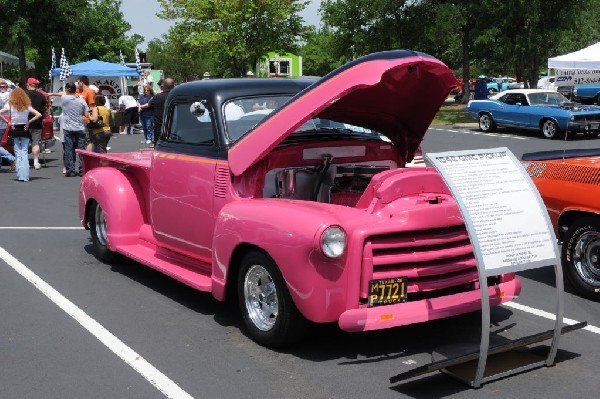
{"x": 140, "y": 159}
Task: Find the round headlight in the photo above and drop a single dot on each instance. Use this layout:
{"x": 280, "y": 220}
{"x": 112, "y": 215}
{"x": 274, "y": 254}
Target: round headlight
{"x": 333, "y": 242}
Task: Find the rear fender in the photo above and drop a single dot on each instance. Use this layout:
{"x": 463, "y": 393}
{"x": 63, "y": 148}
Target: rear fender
{"x": 122, "y": 200}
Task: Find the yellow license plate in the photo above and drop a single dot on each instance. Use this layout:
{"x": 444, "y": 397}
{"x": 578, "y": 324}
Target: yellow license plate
{"x": 387, "y": 291}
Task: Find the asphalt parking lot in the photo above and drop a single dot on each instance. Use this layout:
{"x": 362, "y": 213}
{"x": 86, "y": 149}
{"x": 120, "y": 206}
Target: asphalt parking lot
{"x": 74, "y": 327}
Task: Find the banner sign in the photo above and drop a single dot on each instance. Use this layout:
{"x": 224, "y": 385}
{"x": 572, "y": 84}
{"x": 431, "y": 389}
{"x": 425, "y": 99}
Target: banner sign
{"x": 110, "y": 87}
{"x": 506, "y": 219}
{"x": 572, "y": 77}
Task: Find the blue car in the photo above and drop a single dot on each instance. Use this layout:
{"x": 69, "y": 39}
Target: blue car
{"x": 547, "y": 111}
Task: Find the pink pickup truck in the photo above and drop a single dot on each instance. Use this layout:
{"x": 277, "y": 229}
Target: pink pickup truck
{"x": 292, "y": 197}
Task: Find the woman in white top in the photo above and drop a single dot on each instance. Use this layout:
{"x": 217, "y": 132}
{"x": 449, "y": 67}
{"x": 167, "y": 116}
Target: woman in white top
{"x": 19, "y": 107}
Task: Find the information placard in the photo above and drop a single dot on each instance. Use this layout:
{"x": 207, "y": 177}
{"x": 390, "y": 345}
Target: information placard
{"x": 505, "y": 216}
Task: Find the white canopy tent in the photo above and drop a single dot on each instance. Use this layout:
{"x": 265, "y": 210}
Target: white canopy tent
{"x": 586, "y": 58}
{"x": 10, "y": 59}
{"x": 580, "y": 67}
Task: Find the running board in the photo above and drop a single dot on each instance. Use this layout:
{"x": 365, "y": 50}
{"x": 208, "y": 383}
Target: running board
{"x": 493, "y": 350}
{"x": 185, "y": 272}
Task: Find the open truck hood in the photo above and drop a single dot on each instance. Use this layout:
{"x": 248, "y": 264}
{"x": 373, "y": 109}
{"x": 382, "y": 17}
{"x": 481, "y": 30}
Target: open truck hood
{"x": 396, "y": 93}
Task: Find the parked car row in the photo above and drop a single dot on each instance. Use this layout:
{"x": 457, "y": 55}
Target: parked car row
{"x": 493, "y": 84}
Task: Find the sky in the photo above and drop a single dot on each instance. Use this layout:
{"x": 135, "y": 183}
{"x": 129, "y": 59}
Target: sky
{"x": 141, "y": 15}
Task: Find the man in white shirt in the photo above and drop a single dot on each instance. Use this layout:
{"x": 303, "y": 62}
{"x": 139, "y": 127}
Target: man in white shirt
{"x": 130, "y": 106}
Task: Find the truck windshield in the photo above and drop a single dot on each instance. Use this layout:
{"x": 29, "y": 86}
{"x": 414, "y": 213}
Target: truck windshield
{"x": 241, "y": 115}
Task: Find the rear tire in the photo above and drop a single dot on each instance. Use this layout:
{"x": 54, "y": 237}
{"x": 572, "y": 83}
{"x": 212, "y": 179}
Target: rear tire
{"x": 550, "y": 129}
{"x": 581, "y": 257}
{"x": 486, "y": 122}
{"x": 98, "y": 231}
{"x": 269, "y": 313}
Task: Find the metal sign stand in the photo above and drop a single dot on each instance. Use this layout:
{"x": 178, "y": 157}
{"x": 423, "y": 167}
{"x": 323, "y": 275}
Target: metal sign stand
{"x": 484, "y": 173}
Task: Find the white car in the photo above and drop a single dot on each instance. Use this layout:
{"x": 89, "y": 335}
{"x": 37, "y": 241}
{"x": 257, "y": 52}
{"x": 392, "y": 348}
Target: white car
{"x": 547, "y": 83}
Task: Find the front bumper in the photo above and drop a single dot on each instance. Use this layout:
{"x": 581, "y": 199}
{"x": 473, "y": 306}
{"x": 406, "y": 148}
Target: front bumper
{"x": 584, "y": 127}
{"x": 401, "y": 314}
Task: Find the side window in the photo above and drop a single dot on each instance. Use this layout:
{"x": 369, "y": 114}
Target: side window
{"x": 509, "y": 99}
{"x": 505, "y": 99}
{"x": 523, "y": 100}
{"x": 191, "y": 126}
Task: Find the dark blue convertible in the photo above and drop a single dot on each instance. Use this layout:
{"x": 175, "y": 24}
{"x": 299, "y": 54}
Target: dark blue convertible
{"x": 547, "y": 111}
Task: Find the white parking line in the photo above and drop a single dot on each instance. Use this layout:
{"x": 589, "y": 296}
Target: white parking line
{"x": 548, "y": 315}
{"x": 128, "y": 355}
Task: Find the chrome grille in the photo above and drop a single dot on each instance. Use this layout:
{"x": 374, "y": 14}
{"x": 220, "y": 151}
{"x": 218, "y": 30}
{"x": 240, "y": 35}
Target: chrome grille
{"x": 587, "y": 118}
{"x": 434, "y": 261}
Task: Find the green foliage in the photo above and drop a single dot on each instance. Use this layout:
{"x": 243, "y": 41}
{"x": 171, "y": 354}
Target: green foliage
{"x": 83, "y": 28}
{"x": 189, "y": 64}
{"x": 318, "y": 60}
{"x": 234, "y": 33}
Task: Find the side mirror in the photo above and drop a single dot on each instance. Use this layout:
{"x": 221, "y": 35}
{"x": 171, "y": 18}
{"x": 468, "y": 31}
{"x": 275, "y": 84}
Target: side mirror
{"x": 197, "y": 109}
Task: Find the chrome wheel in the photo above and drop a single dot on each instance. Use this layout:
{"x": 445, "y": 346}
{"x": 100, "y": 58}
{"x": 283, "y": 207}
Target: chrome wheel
{"x": 550, "y": 129}
{"x": 270, "y": 315}
{"x": 580, "y": 257}
{"x": 586, "y": 258}
{"x": 99, "y": 233}
{"x": 486, "y": 123}
{"x": 260, "y": 298}
{"x": 100, "y": 226}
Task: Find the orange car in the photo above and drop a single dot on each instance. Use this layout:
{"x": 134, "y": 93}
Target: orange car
{"x": 568, "y": 183}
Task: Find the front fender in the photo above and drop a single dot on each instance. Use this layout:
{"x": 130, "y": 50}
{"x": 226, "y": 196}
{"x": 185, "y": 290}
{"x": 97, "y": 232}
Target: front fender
{"x": 120, "y": 196}
{"x": 289, "y": 232}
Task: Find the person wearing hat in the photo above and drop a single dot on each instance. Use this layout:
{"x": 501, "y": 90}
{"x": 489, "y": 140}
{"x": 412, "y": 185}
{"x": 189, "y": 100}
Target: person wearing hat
{"x": 39, "y": 103}
{"x": 74, "y": 109}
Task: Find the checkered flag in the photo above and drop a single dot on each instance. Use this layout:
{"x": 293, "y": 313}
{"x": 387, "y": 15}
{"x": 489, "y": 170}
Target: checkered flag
{"x": 121, "y": 59}
{"x": 53, "y": 64}
{"x": 65, "y": 69}
{"x": 138, "y": 67}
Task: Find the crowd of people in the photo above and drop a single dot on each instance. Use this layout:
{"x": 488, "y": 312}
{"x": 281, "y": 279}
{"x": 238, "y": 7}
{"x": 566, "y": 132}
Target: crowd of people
{"x": 85, "y": 121}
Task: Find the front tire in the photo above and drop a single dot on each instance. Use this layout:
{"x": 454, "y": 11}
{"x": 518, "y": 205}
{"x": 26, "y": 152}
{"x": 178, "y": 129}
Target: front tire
{"x": 98, "y": 231}
{"x": 486, "y": 122}
{"x": 550, "y": 129}
{"x": 581, "y": 257}
{"x": 269, "y": 313}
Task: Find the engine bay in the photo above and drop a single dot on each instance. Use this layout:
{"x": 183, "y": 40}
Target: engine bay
{"x": 328, "y": 176}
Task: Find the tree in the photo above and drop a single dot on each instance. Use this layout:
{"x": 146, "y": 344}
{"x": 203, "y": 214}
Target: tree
{"x": 318, "y": 59}
{"x": 105, "y": 30}
{"x": 82, "y": 27}
{"x": 189, "y": 63}
{"x": 235, "y": 33}
{"x": 494, "y": 37}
